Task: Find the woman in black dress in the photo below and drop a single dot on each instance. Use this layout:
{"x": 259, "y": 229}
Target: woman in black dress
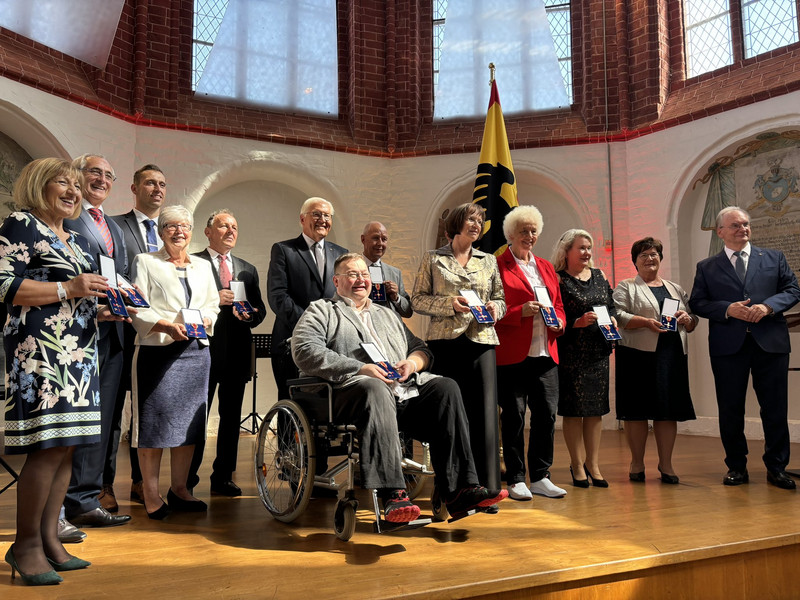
{"x": 584, "y": 351}
{"x": 652, "y": 368}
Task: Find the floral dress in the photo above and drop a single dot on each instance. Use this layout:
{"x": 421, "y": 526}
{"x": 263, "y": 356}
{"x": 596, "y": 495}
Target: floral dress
{"x": 52, "y": 385}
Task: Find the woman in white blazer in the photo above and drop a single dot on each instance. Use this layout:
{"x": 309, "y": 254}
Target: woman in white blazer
{"x": 652, "y": 371}
{"x": 170, "y": 369}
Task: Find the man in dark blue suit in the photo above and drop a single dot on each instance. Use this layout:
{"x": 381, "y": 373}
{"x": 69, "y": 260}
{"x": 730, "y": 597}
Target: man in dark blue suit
{"x": 231, "y": 349}
{"x": 93, "y": 467}
{"x": 743, "y": 291}
{"x": 300, "y": 271}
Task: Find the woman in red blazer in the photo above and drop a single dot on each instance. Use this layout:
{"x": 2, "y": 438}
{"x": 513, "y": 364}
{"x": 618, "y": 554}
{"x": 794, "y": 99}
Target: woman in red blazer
{"x": 527, "y": 357}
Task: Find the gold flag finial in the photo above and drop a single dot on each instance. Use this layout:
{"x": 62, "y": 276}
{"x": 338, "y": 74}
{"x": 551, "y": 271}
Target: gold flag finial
{"x": 491, "y": 73}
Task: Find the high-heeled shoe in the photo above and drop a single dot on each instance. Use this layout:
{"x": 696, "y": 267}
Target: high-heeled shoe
{"x": 159, "y": 513}
{"x": 596, "y": 481}
{"x": 73, "y": 564}
{"x": 670, "y": 479}
{"x": 46, "y": 578}
{"x": 636, "y": 476}
{"x": 581, "y": 483}
{"x": 178, "y": 503}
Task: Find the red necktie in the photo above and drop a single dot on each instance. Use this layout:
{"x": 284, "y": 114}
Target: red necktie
{"x": 97, "y": 215}
{"x": 225, "y": 275}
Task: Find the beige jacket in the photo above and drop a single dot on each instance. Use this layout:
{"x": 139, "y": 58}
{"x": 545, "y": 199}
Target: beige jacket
{"x": 633, "y": 297}
{"x": 440, "y": 278}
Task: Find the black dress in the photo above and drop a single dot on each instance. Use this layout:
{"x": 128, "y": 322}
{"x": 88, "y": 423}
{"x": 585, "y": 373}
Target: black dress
{"x": 654, "y": 385}
{"x": 583, "y": 351}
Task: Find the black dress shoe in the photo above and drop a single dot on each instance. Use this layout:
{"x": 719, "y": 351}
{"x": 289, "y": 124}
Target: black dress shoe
{"x": 99, "y": 517}
{"x": 736, "y": 477}
{"x": 781, "y": 479}
{"x": 177, "y": 503}
{"x": 226, "y": 488}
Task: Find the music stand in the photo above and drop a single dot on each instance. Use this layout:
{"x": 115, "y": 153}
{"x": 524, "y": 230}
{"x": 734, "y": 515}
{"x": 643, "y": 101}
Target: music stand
{"x": 261, "y": 348}
{"x": 12, "y": 472}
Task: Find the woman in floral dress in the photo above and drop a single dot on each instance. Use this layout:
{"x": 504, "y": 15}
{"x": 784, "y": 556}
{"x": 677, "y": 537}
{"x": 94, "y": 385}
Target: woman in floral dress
{"x": 48, "y": 284}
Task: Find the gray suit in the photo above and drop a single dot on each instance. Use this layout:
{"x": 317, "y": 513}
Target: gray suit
{"x": 326, "y": 343}
{"x": 403, "y": 305}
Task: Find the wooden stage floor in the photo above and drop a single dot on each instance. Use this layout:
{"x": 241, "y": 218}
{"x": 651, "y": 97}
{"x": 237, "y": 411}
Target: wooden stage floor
{"x": 699, "y": 539}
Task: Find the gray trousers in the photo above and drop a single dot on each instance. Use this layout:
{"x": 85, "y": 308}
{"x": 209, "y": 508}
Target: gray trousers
{"x": 435, "y": 416}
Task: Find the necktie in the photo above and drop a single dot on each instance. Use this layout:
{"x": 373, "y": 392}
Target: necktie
{"x": 102, "y": 226}
{"x": 152, "y": 243}
{"x": 319, "y": 255}
{"x": 225, "y": 275}
{"x": 739, "y": 266}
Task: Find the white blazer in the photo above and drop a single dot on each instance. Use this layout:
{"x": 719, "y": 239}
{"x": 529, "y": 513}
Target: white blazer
{"x": 159, "y": 281}
{"x": 633, "y": 297}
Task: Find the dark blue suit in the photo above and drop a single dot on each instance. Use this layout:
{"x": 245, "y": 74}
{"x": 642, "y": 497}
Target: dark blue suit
{"x": 738, "y": 348}
{"x": 92, "y": 466}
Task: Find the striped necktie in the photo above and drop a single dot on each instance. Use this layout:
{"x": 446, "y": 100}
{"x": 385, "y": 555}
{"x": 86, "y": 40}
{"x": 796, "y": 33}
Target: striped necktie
{"x": 102, "y": 226}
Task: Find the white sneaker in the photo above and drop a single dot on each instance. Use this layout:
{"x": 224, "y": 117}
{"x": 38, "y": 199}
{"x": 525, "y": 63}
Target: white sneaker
{"x": 519, "y": 491}
{"x": 545, "y": 487}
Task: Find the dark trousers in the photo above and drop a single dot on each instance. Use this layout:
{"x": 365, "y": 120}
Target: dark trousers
{"x": 88, "y": 462}
{"x": 532, "y": 383}
{"x": 283, "y": 368}
{"x": 472, "y": 366}
{"x": 435, "y": 416}
{"x": 771, "y": 383}
{"x": 229, "y": 407}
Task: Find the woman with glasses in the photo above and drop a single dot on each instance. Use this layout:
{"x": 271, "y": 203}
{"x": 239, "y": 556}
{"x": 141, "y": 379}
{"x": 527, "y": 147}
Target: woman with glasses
{"x": 171, "y": 363}
{"x": 652, "y": 368}
{"x": 464, "y": 347}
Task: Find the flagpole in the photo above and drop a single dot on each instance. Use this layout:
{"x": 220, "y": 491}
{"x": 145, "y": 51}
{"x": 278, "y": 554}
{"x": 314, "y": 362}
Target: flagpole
{"x": 491, "y": 73}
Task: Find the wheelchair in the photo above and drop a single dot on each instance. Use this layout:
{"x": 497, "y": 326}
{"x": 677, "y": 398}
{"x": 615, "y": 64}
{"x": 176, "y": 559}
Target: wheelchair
{"x": 297, "y": 433}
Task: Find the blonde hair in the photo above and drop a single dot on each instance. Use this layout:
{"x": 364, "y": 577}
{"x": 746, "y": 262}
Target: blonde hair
{"x": 29, "y": 188}
{"x": 563, "y": 245}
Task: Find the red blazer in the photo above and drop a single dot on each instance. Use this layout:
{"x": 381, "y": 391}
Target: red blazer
{"x": 514, "y": 330}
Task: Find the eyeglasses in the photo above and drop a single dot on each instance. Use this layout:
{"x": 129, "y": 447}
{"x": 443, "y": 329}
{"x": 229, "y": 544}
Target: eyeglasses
{"x": 353, "y": 275}
{"x": 102, "y": 174}
{"x": 650, "y": 255}
{"x": 321, "y": 216}
{"x": 177, "y": 226}
{"x": 475, "y": 220}
{"x": 738, "y": 226}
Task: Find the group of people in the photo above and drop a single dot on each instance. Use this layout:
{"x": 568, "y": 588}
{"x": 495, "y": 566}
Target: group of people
{"x": 514, "y": 331}
{"x": 70, "y": 359}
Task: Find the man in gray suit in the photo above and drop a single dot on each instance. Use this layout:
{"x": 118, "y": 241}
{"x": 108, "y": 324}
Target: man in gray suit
{"x": 329, "y": 342}
{"x": 375, "y": 240}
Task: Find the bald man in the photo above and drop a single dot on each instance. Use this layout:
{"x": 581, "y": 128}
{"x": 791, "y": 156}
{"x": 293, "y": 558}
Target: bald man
{"x": 375, "y": 240}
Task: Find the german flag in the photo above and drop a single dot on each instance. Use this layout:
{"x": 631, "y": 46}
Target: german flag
{"x": 495, "y": 184}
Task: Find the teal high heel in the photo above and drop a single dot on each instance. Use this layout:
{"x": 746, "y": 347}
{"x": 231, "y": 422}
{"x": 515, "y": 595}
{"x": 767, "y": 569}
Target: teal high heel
{"x": 73, "y": 564}
{"x": 47, "y": 578}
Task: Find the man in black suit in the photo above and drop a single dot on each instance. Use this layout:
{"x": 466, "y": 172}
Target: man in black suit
{"x": 139, "y": 227}
{"x": 93, "y": 466}
{"x": 300, "y": 271}
{"x": 743, "y": 292}
{"x": 231, "y": 349}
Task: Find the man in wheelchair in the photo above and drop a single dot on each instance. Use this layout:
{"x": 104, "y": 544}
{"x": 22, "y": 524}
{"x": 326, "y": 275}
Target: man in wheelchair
{"x": 341, "y": 339}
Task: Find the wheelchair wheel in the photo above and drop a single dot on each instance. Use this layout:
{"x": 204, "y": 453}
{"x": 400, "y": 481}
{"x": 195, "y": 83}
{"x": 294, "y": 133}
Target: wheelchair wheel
{"x": 344, "y": 520}
{"x": 438, "y": 506}
{"x": 285, "y": 461}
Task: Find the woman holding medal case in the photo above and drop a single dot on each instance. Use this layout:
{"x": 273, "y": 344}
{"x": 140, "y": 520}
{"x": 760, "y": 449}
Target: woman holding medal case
{"x": 464, "y": 347}
{"x": 171, "y": 364}
{"x": 527, "y": 357}
{"x": 652, "y": 356}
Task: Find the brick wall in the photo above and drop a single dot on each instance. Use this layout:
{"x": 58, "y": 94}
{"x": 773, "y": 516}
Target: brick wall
{"x": 626, "y": 83}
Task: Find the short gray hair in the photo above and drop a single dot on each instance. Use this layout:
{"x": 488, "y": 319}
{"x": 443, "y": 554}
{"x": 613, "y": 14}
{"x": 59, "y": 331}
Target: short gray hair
{"x": 80, "y": 161}
{"x": 172, "y": 213}
{"x": 307, "y": 204}
{"x": 216, "y": 213}
{"x": 522, "y": 214}
{"x": 563, "y": 245}
{"x": 727, "y": 210}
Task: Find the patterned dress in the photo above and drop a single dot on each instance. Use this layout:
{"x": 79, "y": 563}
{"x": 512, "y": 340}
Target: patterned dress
{"x": 583, "y": 351}
{"x": 53, "y": 391}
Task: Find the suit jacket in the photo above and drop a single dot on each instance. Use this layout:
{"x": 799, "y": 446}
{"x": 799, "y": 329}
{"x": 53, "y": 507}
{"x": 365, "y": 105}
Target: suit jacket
{"x": 293, "y": 283}
{"x": 440, "y": 277}
{"x": 327, "y": 341}
{"x": 769, "y": 280}
{"x": 86, "y": 227}
{"x": 231, "y": 345}
{"x": 164, "y": 292}
{"x": 403, "y": 305}
{"x": 134, "y": 242}
{"x": 514, "y": 330}
{"x": 633, "y": 297}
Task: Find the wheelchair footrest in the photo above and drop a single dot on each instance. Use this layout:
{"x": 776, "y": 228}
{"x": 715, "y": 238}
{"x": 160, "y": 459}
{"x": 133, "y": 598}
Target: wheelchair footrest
{"x": 387, "y": 526}
{"x": 468, "y": 513}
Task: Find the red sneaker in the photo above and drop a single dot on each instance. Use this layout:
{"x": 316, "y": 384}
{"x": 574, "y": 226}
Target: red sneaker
{"x": 397, "y": 508}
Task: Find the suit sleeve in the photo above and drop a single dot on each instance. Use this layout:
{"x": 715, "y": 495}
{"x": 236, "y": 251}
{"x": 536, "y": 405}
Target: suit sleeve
{"x": 425, "y": 299}
{"x": 280, "y": 301}
{"x": 256, "y": 300}
{"x": 788, "y": 292}
{"x": 403, "y": 304}
{"x": 624, "y": 303}
{"x": 701, "y": 301}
